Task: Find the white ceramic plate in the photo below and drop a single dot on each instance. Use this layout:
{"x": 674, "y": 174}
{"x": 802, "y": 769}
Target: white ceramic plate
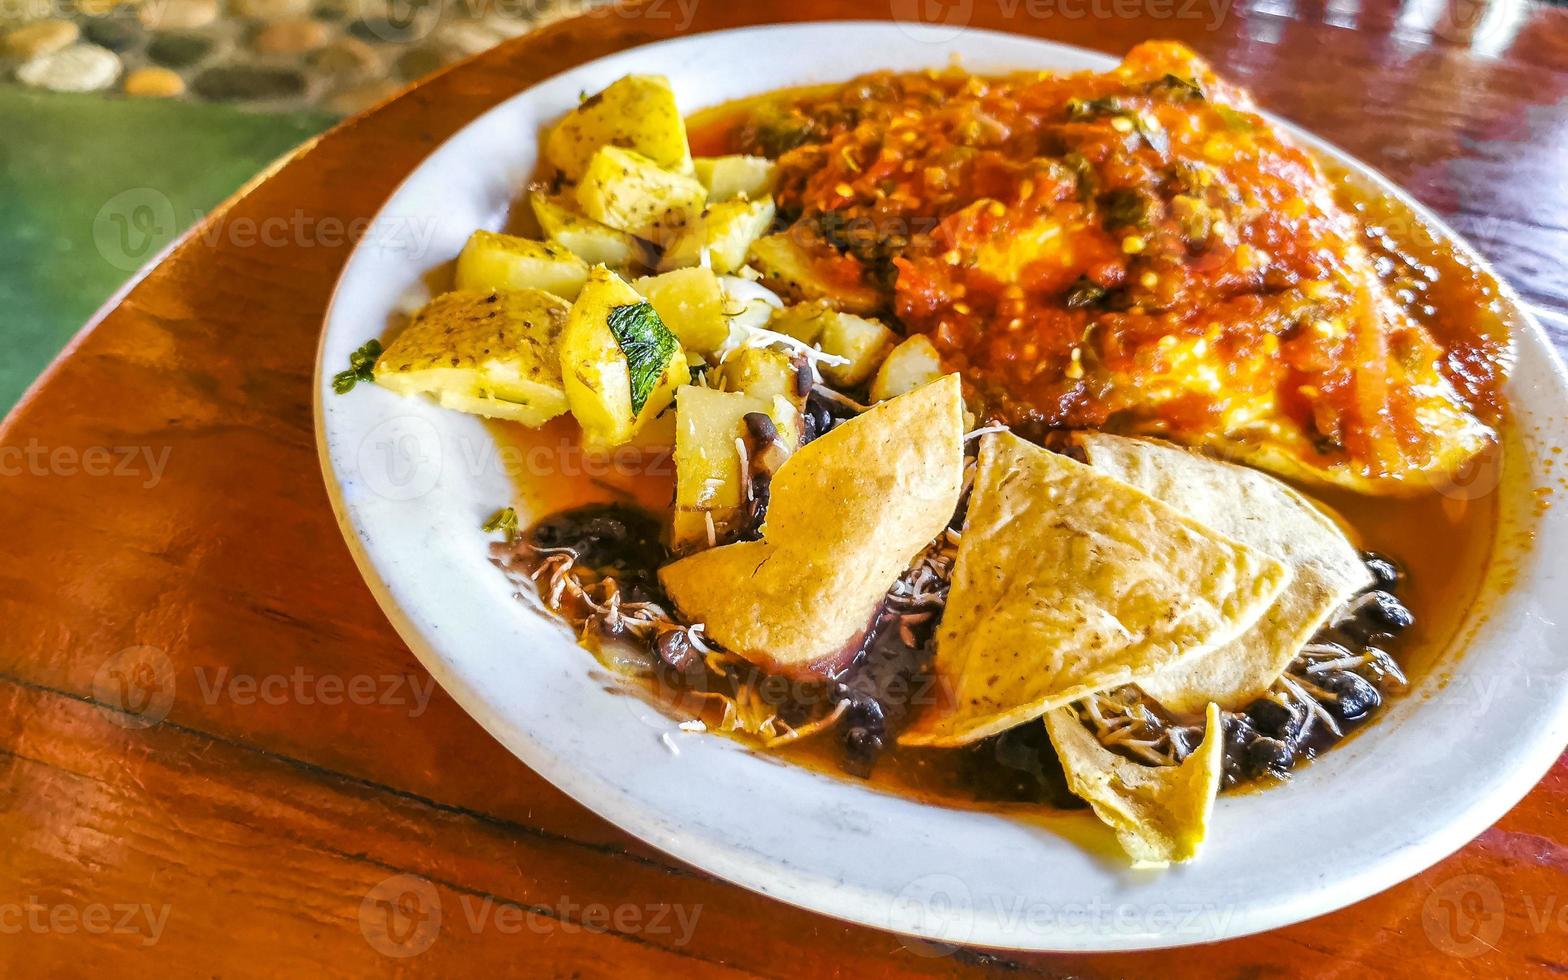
{"x": 411, "y": 484}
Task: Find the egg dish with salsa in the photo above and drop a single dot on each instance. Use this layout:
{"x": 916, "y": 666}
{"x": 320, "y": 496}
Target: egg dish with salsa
{"x": 1045, "y": 440}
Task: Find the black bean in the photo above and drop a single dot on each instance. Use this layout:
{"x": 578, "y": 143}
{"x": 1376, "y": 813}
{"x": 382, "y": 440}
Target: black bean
{"x": 864, "y": 727}
{"x": 761, "y": 428}
{"x": 1238, "y": 735}
{"x": 864, "y": 711}
{"x": 603, "y": 535}
{"x": 1386, "y": 572}
{"x": 1379, "y": 640}
{"x": 862, "y": 747}
{"x": 1271, "y": 718}
{"x": 674, "y": 648}
{"x": 1269, "y": 756}
{"x": 1388, "y": 613}
{"x": 818, "y": 419}
{"x": 803, "y": 376}
{"x": 1353, "y": 697}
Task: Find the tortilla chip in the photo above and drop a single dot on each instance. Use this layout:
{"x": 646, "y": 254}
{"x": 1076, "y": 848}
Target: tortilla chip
{"x": 848, "y": 513}
{"x": 1160, "y": 813}
{"x": 1069, "y": 581}
{"x": 1259, "y": 511}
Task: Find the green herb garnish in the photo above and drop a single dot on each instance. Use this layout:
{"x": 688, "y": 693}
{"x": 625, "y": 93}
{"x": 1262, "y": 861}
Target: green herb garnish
{"x": 1084, "y": 292}
{"x": 647, "y": 345}
{"x": 1153, "y": 134}
{"x": 1234, "y": 119}
{"x": 1126, "y": 208}
{"x": 503, "y": 520}
{"x": 1090, "y": 108}
{"x": 360, "y": 365}
{"x": 1177, "y": 87}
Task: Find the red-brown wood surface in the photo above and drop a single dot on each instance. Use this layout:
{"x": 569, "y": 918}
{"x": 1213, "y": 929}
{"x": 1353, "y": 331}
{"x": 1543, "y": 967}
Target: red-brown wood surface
{"x": 170, "y": 553}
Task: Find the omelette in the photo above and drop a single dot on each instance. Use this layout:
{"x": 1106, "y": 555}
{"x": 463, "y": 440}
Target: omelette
{"x": 1137, "y": 251}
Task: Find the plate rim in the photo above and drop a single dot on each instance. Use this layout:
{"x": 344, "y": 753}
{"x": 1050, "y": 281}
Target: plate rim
{"x": 841, "y": 899}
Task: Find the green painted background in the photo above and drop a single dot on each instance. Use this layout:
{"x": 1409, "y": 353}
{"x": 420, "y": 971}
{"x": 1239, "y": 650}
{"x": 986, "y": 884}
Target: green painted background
{"x": 92, "y": 187}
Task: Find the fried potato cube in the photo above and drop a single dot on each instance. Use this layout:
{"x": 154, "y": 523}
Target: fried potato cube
{"x": 764, "y": 373}
{"x": 492, "y": 260}
{"x": 691, "y": 303}
{"x": 803, "y": 321}
{"x": 620, "y": 365}
{"x": 708, "y": 477}
{"x": 724, "y": 231}
{"x": 631, "y": 193}
{"x": 861, "y": 342}
{"x": 585, "y": 238}
{"x": 789, "y": 269}
{"x": 637, "y": 112}
{"x": 731, "y": 177}
{"x": 486, "y": 353}
{"x": 908, "y": 366}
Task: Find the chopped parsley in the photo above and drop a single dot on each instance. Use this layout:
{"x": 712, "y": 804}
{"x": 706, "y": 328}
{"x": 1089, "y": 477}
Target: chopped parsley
{"x": 503, "y": 520}
{"x": 647, "y": 345}
{"x": 1084, "y": 292}
{"x": 1234, "y": 119}
{"x": 1092, "y": 108}
{"x": 1176, "y": 87}
{"x": 360, "y": 366}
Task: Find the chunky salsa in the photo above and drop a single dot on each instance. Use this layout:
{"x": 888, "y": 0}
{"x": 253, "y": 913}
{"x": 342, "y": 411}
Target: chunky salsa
{"x": 1136, "y": 250}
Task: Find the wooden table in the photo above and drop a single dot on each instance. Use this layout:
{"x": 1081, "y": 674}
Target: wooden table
{"x": 170, "y": 555}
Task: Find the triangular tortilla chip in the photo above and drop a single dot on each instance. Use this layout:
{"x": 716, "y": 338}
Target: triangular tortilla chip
{"x": 1256, "y": 510}
{"x": 1160, "y": 813}
{"x": 1069, "y": 581}
{"x": 848, "y": 513}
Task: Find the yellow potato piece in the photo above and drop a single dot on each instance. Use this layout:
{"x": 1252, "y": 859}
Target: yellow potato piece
{"x": 1068, "y": 582}
{"x": 849, "y": 512}
{"x": 1258, "y": 511}
{"x": 630, "y": 193}
{"x": 594, "y": 370}
{"x": 483, "y": 352}
{"x": 637, "y": 112}
{"x": 492, "y": 260}
{"x": 1160, "y": 813}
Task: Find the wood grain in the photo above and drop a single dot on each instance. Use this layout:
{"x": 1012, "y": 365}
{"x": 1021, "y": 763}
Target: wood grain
{"x": 261, "y": 824}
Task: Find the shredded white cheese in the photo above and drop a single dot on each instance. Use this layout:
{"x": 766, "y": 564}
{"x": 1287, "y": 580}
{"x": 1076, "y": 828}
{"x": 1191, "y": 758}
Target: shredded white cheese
{"x": 977, "y": 433}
